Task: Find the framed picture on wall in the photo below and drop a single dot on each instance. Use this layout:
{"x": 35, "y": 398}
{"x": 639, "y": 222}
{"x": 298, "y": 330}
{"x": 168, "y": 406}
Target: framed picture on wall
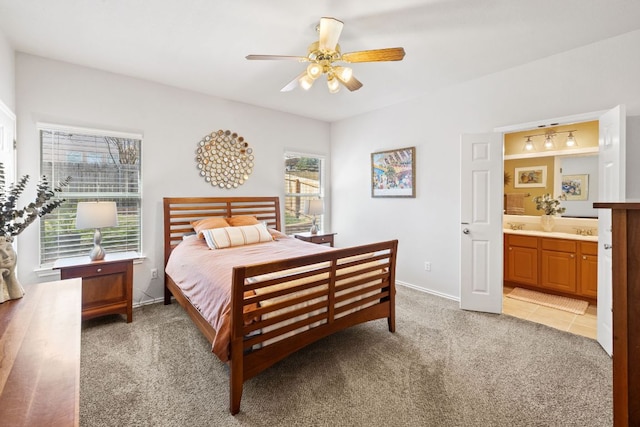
{"x": 532, "y": 176}
{"x": 575, "y": 187}
{"x": 393, "y": 173}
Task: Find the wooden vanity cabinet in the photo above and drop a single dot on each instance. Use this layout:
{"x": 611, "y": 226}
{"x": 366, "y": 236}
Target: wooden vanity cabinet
{"x": 588, "y": 269}
{"x": 521, "y": 259}
{"x": 558, "y": 265}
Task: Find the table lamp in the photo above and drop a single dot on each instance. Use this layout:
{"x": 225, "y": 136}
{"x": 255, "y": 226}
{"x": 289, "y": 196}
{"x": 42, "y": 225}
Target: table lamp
{"x": 314, "y": 207}
{"x": 96, "y": 215}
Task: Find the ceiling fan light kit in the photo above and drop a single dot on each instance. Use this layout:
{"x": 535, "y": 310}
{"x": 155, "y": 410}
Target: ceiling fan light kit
{"x": 322, "y": 55}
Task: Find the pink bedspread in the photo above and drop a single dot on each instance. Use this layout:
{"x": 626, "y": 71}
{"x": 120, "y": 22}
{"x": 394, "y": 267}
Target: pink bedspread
{"x": 204, "y": 275}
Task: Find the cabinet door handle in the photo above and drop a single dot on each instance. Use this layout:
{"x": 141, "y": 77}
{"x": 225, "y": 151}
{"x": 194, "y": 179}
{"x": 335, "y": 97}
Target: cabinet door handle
{"x": 572, "y": 256}
{"x": 99, "y": 270}
{"x": 510, "y": 249}
{"x": 584, "y": 257}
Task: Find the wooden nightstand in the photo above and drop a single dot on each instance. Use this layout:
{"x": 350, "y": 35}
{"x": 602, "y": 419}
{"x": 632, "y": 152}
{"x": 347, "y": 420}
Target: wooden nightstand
{"x": 320, "y": 237}
{"x": 107, "y": 285}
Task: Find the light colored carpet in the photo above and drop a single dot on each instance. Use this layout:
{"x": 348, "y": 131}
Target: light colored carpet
{"x": 443, "y": 367}
{"x": 548, "y": 300}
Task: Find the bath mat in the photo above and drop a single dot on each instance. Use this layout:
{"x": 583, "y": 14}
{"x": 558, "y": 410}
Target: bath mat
{"x": 554, "y": 301}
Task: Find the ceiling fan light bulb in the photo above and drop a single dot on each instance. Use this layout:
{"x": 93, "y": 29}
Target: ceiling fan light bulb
{"x": 314, "y": 70}
{"x": 306, "y": 82}
{"x": 344, "y": 73}
{"x": 333, "y": 84}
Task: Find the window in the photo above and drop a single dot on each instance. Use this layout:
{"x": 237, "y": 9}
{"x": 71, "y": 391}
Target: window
{"x": 103, "y": 166}
{"x": 303, "y": 180}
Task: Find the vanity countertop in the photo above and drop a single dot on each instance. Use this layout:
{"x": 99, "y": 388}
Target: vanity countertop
{"x": 552, "y": 234}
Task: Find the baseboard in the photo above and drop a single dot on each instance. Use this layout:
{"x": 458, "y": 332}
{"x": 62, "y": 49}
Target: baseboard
{"x": 398, "y": 282}
{"x": 427, "y": 291}
{"x": 148, "y": 302}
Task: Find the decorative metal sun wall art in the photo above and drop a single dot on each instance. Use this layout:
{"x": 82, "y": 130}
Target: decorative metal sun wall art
{"x": 224, "y": 159}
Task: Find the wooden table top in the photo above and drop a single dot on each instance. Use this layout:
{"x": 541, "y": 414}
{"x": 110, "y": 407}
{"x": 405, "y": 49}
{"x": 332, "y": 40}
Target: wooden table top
{"x": 40, "y": 356}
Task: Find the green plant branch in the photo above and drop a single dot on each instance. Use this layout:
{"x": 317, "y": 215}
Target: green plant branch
{"x": 14, "y": 220}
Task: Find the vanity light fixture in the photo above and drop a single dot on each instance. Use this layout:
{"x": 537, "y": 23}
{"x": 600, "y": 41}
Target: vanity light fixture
{"x": 549, "y": 143}
{"x": 528, "y": 144}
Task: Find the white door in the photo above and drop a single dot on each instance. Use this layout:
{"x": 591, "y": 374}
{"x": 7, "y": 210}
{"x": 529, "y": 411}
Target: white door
{"x": 7, "y": 136}
{"x": 611, "y": 184}
{"x": 481, "y": 252}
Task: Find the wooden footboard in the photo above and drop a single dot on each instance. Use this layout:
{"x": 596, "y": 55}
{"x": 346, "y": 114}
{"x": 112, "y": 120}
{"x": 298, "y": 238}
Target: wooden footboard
{"x": 300, "y": 300}
{"x": 282, "y": 306}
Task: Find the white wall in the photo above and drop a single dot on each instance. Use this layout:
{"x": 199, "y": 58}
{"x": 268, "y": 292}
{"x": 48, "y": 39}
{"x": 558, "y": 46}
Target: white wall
{"x": 7, "y": 73}
{"x": 633, "y": 158}
{"x": 172, "y": 121}
{"x": 593, "y": 78}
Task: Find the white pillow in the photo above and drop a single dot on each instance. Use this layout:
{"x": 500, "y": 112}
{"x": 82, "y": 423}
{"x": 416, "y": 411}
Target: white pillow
{"x": 219, "y": 238}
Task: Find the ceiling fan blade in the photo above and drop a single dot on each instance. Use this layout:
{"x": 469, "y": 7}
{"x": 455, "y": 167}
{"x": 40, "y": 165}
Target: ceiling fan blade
{"x": 278, "y": 57}
{"x": 293, "y": 83}
{"x": 330, "y": 29}
{"x": 375, "y": 55}
{"x": 352, "y": 84}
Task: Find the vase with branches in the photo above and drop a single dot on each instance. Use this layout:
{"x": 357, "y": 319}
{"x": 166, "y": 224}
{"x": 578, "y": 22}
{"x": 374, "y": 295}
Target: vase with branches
{"x": 14, "y": 220}
{"x": 548, "y": 204}
{"x": 551, "y": 208}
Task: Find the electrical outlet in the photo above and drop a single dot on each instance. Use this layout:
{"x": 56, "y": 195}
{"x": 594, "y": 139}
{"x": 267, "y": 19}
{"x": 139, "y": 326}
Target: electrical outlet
{"x": 427, "y": 266}
{"x": 154, "y": 273}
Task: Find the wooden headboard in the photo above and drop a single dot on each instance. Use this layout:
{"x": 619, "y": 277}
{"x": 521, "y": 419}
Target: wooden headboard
{"x": 180, "y": 211}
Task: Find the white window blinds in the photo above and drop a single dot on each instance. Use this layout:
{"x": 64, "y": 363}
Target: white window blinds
{"x": 102, "y": 166}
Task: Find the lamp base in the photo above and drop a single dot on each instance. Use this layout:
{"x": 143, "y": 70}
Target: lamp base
{"x": 314, "y": 226}
{"x": 97, "y": 253}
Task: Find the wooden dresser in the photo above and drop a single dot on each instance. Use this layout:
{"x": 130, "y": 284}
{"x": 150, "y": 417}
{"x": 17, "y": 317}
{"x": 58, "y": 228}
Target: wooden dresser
{"x": 40, "y": 356}
{"x": 625, "y": 220}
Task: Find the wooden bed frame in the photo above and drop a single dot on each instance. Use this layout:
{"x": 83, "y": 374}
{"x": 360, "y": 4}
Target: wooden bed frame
{"x": 337, "y": 288}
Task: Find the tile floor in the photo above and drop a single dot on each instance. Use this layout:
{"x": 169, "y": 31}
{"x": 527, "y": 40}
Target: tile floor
{"x": 584, "y": 325}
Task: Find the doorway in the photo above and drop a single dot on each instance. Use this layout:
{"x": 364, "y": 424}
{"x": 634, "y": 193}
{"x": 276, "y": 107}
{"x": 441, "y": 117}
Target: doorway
{"x": 568, "y": 156}
{"x": 481, "y": 177}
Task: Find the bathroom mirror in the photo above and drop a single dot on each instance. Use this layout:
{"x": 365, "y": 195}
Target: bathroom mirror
{"x": 570, "y": 172}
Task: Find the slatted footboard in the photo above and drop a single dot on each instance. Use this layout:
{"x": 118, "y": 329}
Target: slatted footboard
{"x": 280, "y": 307}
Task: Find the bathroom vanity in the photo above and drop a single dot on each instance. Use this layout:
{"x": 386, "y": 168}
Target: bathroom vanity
{"x": 563, "y": 262}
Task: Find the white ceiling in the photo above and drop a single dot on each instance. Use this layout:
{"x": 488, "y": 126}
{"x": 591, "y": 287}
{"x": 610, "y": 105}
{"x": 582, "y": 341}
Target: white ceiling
{"x": 201, "y": 45}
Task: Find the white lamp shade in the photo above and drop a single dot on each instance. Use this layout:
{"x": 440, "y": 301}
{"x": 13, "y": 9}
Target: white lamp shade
{"x": 96, "y": 215}
{"x": 315, "y": 207}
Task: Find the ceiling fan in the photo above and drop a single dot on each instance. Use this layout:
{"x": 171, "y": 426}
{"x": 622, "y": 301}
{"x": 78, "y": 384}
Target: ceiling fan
{"x": 323, "y": 55}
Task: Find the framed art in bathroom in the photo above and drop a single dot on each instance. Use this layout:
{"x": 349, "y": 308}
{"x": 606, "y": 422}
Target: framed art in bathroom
{"x": 575, "y": 187}
{"x": 532, "y": 176}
